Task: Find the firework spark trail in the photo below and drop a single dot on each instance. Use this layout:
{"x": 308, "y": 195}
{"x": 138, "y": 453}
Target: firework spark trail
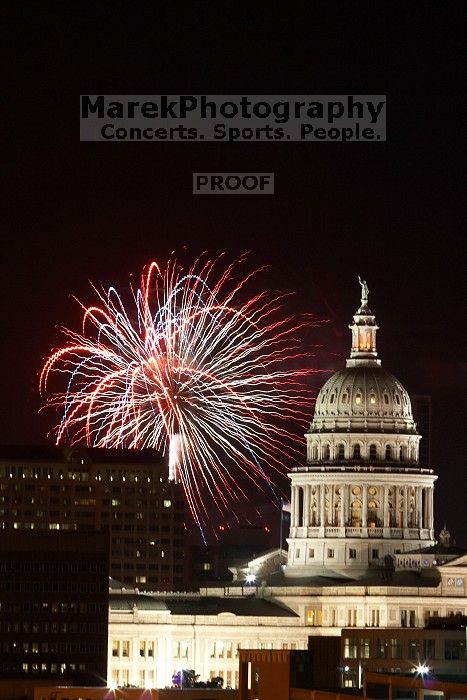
{"x": 192, "y": 369}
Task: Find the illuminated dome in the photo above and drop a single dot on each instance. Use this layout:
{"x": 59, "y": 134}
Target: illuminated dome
{"x": 363, "y": 394}
{"x": 364, "y": 400}
{"x": 362, "y": 496}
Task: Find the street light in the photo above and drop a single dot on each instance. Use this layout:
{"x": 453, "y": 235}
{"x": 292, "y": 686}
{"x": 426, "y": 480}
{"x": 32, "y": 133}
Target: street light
{"x": 422, "y": 669}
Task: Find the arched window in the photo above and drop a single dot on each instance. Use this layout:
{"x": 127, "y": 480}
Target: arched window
{"x": 333, "y": 396}
{"x": 326, "y": 452}
{"x": 373, "y": 399}
{"x": 341, "y": 451}
{"x": 356, "y": 513}
{"x": 372, "y": 514}
{"x": 356, "y": 451}
{"x": 373, "y": 452}
{"x": 344, "y": 398}
{"x": 402, "y": 453}
{"x": 386, "y": 399}
{"x": 358, "y": 398}
{"x": 388, "y": 453}
{"x": 314, "y": 453}
{"x": 398, "y": 399}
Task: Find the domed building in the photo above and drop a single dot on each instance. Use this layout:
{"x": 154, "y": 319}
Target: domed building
{"x": 363, "y": 496}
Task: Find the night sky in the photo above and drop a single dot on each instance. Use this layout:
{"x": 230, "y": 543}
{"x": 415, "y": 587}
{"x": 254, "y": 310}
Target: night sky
{"x": 391, "y": 212}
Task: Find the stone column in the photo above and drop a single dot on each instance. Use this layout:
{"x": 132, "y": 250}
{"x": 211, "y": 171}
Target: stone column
{"x": 342, "y": 509}
{"x": 430, "y": 507}
{"x": 322, "y": 519}
{"x": 346, "y": 502}
{"x": 419, "y": 508}
{"x": 385, "y": 504}
{"x": 296, "y": 505}
{"x": 405, "y": 507}
{"x": 365, "y": 505}
{"x": 306, "y": 505}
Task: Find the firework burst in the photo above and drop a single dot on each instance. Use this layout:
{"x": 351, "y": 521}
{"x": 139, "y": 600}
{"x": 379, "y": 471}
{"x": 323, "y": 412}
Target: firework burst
{"x": 194, "y": 366}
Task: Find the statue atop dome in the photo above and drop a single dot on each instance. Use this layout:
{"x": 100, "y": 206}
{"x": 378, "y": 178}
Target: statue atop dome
{"x": 365, "y": 291}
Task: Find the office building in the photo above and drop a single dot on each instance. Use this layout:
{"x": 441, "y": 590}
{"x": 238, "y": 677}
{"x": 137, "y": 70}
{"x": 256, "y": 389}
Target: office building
{"x": 125, "y": 493}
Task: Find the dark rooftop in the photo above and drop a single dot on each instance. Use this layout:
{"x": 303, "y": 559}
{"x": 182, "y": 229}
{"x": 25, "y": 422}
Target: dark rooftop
{"x": 247, "y": 606}
{"x": 427, "y": 579}
{"x": 90, "y": 455}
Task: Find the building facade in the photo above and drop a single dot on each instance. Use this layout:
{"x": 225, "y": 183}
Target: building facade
{"x": 363, "y": 494}
{"x": 361, "y": 546}
{"x": 435, "y": 650}
{"x": 151, "y": 637}
{"x": 54, "y": 606}
{"x": 125, "y": 493}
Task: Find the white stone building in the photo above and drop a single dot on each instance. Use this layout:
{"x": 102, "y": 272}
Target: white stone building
{"x": 362, "y": 494}
{"x": 153, "y": 636}
{"x": 362, "y": 510}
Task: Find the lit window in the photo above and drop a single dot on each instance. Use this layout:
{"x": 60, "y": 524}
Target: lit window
{"x": 358, "y": 399}
{"x": 350, "y": 648}
{"x": 314, "y": 617}
{"x": 167, "y": 503}
{"x": 372, "y": 399}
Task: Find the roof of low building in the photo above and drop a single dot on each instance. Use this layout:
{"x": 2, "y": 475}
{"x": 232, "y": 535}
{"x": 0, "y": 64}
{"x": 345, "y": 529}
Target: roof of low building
{"x": 97, "y": 455}
{"x": 244, "y": 606}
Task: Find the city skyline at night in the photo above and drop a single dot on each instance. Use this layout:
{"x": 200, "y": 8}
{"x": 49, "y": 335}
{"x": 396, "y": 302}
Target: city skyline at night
{"x": 390, "y": 212}
{"x": 233, "y": 382}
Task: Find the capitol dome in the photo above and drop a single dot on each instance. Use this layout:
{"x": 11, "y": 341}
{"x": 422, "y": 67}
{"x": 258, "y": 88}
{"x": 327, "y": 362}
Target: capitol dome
{"x": 367, "y": 392}
{"x": 362, "y": 495}
{"x": 363, "y": 410}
